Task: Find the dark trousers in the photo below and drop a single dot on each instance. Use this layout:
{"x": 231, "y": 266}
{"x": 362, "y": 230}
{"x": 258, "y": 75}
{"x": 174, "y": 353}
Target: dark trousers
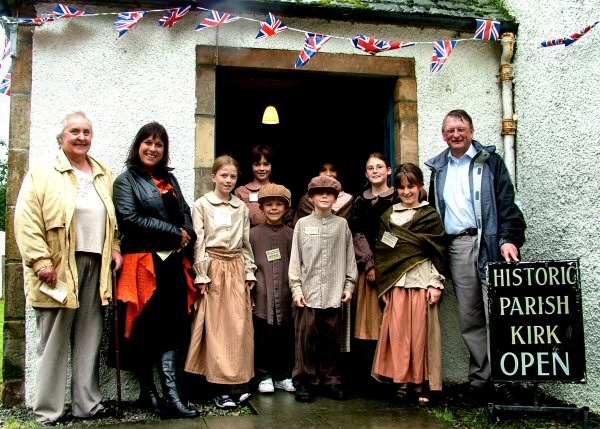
{"x": 273, "y": 349}
{"x": 318, "y": 334}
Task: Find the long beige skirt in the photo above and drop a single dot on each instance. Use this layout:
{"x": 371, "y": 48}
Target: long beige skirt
{"x": 409, "y": 349}
{"x": 367, "y": 322}
{"x": 222, "y": 341}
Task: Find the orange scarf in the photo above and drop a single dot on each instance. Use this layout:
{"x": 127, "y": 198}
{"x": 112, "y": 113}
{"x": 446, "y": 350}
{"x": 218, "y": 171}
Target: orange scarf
{"x": 137, "y": 281}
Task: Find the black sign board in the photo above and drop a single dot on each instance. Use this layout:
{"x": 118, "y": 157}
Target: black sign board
{"x": 536, "y": 322}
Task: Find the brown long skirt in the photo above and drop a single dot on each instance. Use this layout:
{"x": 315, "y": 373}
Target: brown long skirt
{"x": 410, "y": 342}
{"x": 367, "y": 322}
{"x": 222, "y": 342}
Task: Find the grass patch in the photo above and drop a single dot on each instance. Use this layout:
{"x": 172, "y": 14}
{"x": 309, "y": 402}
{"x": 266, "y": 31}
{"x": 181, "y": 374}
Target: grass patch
{"x": 477, "y": 418}
{"x": 456, "y": 414}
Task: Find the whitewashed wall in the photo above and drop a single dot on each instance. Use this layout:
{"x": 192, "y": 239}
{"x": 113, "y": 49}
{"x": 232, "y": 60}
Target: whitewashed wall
{"x": 149, "y": 74}
{"x": 558, "y": 149}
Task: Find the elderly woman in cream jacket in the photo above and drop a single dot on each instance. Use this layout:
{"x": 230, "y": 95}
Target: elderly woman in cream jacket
{"x": 66, "y": 231}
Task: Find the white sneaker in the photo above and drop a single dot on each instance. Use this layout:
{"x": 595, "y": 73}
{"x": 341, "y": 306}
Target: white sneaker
{"x": 266, "y": 386}
{"x": 286, "y": 385}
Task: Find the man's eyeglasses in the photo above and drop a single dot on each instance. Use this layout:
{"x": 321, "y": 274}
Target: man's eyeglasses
{"x": 461, "y": 130}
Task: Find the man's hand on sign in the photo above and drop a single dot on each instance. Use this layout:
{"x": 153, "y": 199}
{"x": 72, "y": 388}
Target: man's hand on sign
{"x": 509, "y": 252}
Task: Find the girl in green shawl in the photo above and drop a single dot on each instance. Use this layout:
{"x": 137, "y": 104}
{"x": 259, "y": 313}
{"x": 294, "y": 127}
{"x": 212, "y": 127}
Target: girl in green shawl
{"x": 410, "y": 263}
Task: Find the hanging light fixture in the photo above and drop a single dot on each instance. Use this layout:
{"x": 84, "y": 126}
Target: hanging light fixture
{"x": 270, "y": 117}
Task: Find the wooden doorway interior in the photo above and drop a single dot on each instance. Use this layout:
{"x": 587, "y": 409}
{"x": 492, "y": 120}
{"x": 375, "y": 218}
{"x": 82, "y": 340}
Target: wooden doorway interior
{"x": 339, "y": 110}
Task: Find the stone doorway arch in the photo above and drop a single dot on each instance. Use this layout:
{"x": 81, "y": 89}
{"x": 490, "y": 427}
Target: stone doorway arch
{"x": 404, "y": 129}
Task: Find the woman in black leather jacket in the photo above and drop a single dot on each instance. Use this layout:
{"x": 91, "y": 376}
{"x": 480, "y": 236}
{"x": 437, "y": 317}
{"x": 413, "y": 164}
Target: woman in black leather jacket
{"x": 157, "y": 234}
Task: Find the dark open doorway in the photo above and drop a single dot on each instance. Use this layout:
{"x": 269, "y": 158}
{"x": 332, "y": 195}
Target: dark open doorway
{"x": 324, "y": 117}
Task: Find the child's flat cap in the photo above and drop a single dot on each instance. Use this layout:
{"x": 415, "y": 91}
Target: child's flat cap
{"x": 324, "y": 183}
{"x": 273, "y": 190}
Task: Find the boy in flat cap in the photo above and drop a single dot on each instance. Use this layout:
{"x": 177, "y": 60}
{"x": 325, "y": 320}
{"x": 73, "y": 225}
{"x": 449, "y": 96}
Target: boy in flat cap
{"x": 322, "y": 276}
{"x": 272, "y": 311}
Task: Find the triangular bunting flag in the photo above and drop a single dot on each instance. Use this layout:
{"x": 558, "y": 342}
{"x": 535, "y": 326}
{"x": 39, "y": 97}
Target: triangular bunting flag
{"x": 37, "y": 20}
{"x": 487, "y": 29}
{"x": 270, "y": 27}
{"x": 6, "y": 59}
{"x": 313, "y": 44}
{"x": 63, "y": 11}
{"x": 374, "y": 46}
{"x": 553, "y": 42}
{"x": 569, "y": 40}
{"x": 215, "y": 19}
{"x": 441, "y": 51}
{"x": 5, "y": 84}
{"x": 174, "y": 16}
{"x": 5, "y": 52}
{"x": 577, "y": 35}
{"x": 126, "y": 21}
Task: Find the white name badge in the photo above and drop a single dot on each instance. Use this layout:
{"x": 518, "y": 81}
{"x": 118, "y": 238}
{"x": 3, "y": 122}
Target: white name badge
{"x": 253, "y": 197}
{"x": 223, "y": 219}
{"x": 311, "y": 230}
{"x": 389, "y": 239}
{"x": 273, "y": 255}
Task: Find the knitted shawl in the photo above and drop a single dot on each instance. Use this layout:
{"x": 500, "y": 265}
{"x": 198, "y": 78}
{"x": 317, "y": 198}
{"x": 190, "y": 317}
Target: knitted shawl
{"x": 419, "y": 239}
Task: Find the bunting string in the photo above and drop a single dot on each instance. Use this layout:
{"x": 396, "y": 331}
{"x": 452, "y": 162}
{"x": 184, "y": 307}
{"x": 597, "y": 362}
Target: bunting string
{"x": 486, "y": 29}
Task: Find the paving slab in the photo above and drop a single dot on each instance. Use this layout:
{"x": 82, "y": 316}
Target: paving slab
{"x": 281, "y": 410}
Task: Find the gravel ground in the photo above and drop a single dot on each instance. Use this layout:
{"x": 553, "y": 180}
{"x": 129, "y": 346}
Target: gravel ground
{"x": 21, "y": 417}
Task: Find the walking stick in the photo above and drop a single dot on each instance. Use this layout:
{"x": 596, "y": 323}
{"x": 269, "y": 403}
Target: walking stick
{"x": 117, "y": 356}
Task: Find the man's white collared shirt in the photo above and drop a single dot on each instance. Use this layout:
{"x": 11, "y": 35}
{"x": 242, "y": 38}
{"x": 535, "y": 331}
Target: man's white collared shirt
{"x": 459, "y": 214}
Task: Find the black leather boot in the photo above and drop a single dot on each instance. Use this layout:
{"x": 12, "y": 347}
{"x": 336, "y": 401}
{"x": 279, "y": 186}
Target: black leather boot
{"x": 148, "y": 399}
{"x": 167, "y": 369}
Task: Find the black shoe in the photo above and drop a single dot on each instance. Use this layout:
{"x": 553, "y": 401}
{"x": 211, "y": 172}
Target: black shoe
{"x": 148, "y": 399}
{"x": 174, "y": 406}
{"x": 472, "y": 395}
{"x": 225, "y": 402}
{"x": 102, "y": 413}
{"x": 151, "y": 403}
{"x": 337, "y": 392}
{"x": 303, "y": 394}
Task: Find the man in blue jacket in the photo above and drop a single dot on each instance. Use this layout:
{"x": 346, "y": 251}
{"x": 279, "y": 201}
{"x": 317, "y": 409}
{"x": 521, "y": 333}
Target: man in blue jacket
{"x": 472, "y": 190}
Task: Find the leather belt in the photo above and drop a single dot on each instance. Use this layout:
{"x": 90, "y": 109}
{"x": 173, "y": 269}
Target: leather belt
{"x": 471, "y": 232}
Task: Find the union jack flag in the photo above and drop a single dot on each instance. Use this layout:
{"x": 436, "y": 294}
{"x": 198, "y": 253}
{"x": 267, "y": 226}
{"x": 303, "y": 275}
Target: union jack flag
{"x": 374, "y": 46}
{"x": 487, "y": 29}
{"x": 572, "y": 38}
{"x": 6, "y": 60}
{"x": 271, "y": 27}
{"x": 569, "y": 40}
{"x": 313, "y": 44}
{"x": 37, "y": 20}
{"x": 553, "y": 42}
{"x": 63, "y": 11}
{"x": 5, "y": 84}
{"x": 6, "y": 51}
{"x": 215, "y": 19}
{"x": 126, "y": 21}
{"x": 441, "y": 51}
{"x": 174, "y": 16}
